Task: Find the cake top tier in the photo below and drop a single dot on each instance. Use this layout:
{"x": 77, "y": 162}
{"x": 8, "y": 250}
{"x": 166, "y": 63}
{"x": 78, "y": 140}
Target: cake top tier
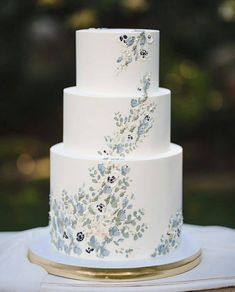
{"x": 111, "y": 62}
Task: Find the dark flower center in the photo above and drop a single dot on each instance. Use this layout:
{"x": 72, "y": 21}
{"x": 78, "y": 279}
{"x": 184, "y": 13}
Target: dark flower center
{"x": 89, "y": 250}
{"x": 100, "y": 207}
{"x": 147, "y": 118}
{"x": 111, "y": 179}
{"x": 143, "y": 53}
{"x": 80, "y": 236}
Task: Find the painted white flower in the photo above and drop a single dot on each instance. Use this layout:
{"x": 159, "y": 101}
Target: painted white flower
{"x": 114, "y": 176}
{"x": 70, "y": 208}
{"x": 143, "y": 54}
{"x": 149, "y": 38}
{"x": 99, "y": 230}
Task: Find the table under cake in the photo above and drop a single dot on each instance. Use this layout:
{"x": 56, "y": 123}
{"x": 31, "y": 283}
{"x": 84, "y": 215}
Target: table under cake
{"x": 216, "y": 271}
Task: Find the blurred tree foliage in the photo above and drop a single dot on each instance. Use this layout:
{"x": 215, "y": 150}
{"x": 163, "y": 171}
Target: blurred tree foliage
{"x": 37, "y": 60}
{"x": 197, "y": 62}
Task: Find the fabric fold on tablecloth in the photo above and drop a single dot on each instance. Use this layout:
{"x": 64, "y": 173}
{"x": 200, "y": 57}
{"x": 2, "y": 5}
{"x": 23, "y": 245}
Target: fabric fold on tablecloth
{"x": 216, "y": 270}
{"x": 16, "y": 272}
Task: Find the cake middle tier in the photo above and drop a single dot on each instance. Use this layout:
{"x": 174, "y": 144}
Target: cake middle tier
{"x": 117, "y": 126}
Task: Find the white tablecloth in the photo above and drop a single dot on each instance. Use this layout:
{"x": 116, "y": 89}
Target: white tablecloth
{"x": 216, "y": 270}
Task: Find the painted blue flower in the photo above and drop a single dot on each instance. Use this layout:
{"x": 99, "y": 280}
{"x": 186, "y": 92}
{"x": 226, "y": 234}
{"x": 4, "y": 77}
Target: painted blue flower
{"x": 66, "y": 248}
{"x": 54, "y": 207}
{"x": 69, "y": 232}
{"x": 174, "y": 223}
{"x": 60, "y": 224}
{"x": 119, "y": 59}
{"x": 125, "y": 169}
{"x": 54, "y": 224}
{"x": 146, "y": 83}
{"x": 94, "y": 242}
{"x": 142, "y": 39}
{"x": 64, "y": 192}
{"x": 125, "y": 202}
{"x": 107, "y": 189}
{"x": 66, "y": 221}
{"x": 114, "y": 231}
{"x": 121, "y": 215}
{"x": 60, "y": 244}
{"x": 80, "y": 208}
{"x": 130, "y": 41}
{"x": 161, "y": 249}
{"x": 77, "y": 250}
{"x": 101, "y": 168}
{"x": 141, "y": 129}
{"x": 120, "y": 148}
{"x": 134, "y": 102}
{"x": 145, "y": 123}
{"x": 178, "y": 232}
{"x": 104, "y": 252}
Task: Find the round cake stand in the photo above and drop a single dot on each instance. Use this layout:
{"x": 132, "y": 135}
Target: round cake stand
{"x": 183, "y": 259}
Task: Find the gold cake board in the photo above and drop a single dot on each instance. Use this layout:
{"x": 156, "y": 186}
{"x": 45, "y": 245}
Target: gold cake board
{"x": 108, "y": 274}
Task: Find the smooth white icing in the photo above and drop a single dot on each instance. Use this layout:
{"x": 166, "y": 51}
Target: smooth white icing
{"x": 156, "y": 185}
{"x": 97, "y": 51}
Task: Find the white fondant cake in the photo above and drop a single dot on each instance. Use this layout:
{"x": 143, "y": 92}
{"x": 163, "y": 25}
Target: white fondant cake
{"x": 116, "y": 180}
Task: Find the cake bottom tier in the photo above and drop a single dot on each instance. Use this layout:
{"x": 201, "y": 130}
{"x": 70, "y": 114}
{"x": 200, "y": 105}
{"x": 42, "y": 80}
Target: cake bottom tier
{"x": 115, "y": 209}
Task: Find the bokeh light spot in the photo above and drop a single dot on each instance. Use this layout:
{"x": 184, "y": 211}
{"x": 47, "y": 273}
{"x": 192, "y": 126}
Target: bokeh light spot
{"x": 135, "y": 5}
{"x": 25, "y": 164}
{"x": 227, "y": 10}
{"x": 215, "y": 103}
{"x": 174, "y": 81}
{"x": 82, "y": 19}
{"x": 187, "y": 70}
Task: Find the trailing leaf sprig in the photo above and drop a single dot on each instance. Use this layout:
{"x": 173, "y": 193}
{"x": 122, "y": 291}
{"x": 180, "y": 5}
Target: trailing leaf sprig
{"x": 133, "y": 128}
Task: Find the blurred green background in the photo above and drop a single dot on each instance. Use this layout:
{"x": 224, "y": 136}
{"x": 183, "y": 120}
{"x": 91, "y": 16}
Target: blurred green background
{"x": 197, "y": 61}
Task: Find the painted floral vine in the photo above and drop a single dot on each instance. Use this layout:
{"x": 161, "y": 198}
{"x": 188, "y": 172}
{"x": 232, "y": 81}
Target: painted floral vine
{"x": 134, "y": 47}
{"x": 171, "y": 239}
{"x": 101, "y": 216}
{"x": 133, "y": 128}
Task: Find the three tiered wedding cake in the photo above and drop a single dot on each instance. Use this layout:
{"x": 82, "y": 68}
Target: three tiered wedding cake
{"x": 116, "y": 180}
